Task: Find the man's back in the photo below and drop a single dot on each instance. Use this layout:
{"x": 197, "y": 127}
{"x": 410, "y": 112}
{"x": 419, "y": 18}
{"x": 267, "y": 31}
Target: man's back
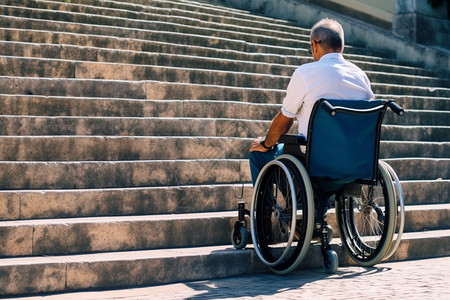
{"x": 331, "y": 77}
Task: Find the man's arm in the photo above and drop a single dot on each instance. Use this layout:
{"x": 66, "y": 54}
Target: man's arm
{"x": 280, "y": 125}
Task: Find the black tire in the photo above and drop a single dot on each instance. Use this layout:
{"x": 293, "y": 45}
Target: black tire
{"x": 282, "y": 214}
{"x": 239, "y": 239}
{"x": 400, "y": 220}
{"x": 330, "y": 261}
{"x": 366, "y": 217}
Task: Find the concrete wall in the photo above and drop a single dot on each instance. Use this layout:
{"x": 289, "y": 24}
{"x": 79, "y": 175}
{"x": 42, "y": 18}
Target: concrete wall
{"x": 356, "y": 32}
{"x": 423, "y": 7}
{"x": 382, "y": 9}
{"x": 418, "y": 21}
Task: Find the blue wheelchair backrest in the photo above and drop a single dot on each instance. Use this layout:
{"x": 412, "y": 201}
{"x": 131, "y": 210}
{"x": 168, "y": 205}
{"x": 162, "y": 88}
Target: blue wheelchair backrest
{"x": 343, "y": 145}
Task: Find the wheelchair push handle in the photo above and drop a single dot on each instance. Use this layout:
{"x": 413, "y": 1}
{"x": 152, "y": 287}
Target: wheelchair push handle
{"x": 328, "y": 107}
{"x": 396, "y": 108}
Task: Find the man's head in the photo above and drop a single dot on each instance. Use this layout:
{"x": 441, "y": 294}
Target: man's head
{"x": 327, "y": 36}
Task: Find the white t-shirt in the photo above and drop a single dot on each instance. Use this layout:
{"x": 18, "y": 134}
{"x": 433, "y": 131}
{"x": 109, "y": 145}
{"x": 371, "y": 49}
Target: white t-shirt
{"x": 332, "y": 77}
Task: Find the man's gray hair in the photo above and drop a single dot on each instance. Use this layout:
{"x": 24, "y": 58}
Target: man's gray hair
{"x": 330, "y": 34}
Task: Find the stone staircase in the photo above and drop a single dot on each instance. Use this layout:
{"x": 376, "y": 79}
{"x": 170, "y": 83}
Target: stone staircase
{"x": 124, "y": 136}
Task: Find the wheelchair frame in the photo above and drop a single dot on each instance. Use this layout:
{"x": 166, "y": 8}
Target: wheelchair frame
{"x": 295, "y": 234}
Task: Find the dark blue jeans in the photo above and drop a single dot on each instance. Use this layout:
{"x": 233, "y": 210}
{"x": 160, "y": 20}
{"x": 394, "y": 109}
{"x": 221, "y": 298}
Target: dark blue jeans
{"x": 259, "y": 159}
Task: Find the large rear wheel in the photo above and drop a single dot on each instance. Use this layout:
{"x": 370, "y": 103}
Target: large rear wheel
{"x": 282, "y": 214}
{"x": 366, "y": 217}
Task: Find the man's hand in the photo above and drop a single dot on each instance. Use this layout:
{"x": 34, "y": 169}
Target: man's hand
{"x": 280, "y": 125}
{"x": 256, "y": 146}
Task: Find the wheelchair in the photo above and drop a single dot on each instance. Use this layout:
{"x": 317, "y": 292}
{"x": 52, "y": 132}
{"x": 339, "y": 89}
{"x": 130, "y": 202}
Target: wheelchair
{"x": 291, "y": 194}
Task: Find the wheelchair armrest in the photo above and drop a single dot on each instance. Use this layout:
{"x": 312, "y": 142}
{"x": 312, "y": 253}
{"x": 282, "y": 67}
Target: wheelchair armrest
{"x": 292, "y": 139}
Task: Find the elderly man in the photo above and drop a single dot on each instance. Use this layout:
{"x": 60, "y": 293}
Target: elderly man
{"x": 329, "y": 76}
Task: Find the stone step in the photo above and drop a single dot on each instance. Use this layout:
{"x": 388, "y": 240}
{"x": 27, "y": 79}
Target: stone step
{"x": 119, "y": 233}
{"x": 133, "y": 126}
{"x": 69, "y": 203}
{"x": 418, "y": 192}
{"x": 116, "y": 174}
{"x": 417, "y": 117}
{"x": 131, "y": 268}
{"x": 56, "y": 68}
{"x": 114, "y": 148}
{"x": 103, "y": 148}
{"x": 400, "y": 89}
{"x": 242, "y": 61}
{"x": 160, "y": 90}
{"x": 425, "y": 217}
{"x": 79, "y": 203}
{"x": 157, "y": 126}
{"x": 415, "y": 133}
{"x": 123, "y": 233}
{"x": 134, "y": 89}
{"x": 399, "y": 149}
{"x": 74, "y": 87}
{"x": 36, "y": 105}
{"x": 68, "y": 106}
{"x": 417, "y": 102}
{"x": 122, "y": 269}
{"x": 421, "y": 168}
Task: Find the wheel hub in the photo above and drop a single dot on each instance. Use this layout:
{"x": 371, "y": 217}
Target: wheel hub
{"x": 276, "y": 214}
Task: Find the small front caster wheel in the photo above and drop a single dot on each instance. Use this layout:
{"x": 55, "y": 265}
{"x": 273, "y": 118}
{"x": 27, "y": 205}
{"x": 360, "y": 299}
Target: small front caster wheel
{"x": 239, "y": 237}
{"x": 330, "y": 261}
